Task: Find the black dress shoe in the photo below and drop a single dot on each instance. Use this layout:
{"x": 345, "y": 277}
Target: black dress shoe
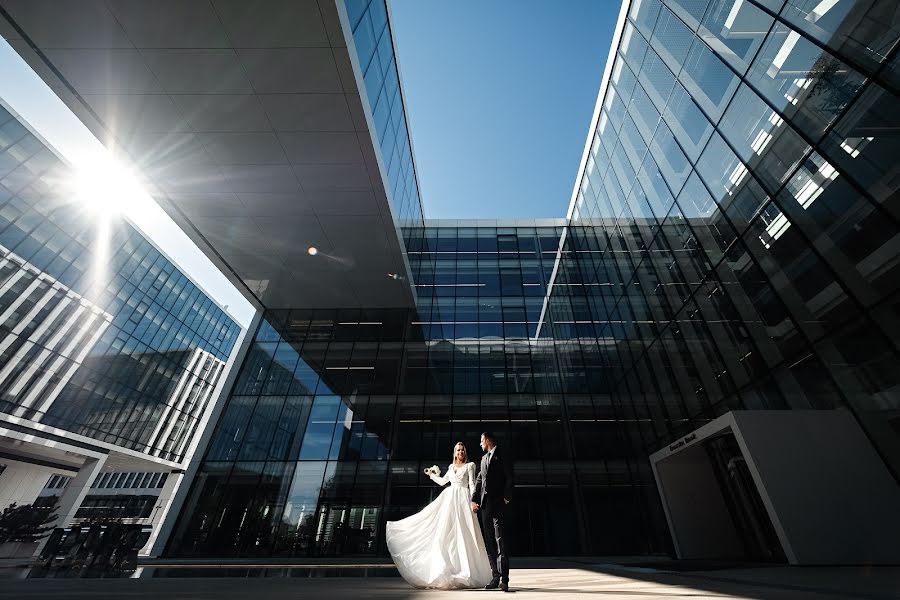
{"x": 504, "y": 586}
{"x": 493, "y": 585}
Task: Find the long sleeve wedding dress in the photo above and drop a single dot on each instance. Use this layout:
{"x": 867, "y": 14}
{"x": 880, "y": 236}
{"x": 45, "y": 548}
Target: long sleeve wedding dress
{"x": 441, "y": 546}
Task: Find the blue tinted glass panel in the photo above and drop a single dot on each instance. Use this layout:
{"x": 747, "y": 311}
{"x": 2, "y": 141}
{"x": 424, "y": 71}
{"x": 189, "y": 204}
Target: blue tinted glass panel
{"x": 690, "y": 11}
{"x": 687, "y": 122}
{"x": 708, "y": 80}
{"x": 672, "y": 39}
{"x": 644, "y": 13}
{"x": 735, "y": 29}
{"x": 657, "y": 79}
{"x": 633, "y": 47}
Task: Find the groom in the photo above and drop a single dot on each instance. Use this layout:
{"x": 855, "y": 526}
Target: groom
{"x": 493, "y": 491}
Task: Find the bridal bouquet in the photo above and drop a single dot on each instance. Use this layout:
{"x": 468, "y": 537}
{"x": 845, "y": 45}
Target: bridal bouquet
{"x": 434, "y": 470}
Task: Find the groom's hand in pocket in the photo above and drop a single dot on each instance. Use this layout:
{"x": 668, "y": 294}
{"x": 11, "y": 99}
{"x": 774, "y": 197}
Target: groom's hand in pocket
{"x": 474, "y": 507}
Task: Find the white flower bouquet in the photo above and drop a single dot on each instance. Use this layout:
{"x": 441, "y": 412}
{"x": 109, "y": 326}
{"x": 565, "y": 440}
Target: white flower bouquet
{"x": 433, "y": 470}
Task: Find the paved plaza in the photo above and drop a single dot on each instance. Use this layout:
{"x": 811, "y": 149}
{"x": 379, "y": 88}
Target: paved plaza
{"x": 569, "y": 580}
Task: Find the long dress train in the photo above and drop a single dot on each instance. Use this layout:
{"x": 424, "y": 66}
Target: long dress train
{"x": 441, "y": 546}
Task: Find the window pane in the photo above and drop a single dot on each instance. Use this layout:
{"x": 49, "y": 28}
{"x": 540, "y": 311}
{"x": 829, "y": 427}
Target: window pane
{"x": 807, "y": 84}
{"x": 633, "y": 47}
{"x": 805, "y": 283}
{"x": 762, "y": 138}
{"x": 735, "y": 29}
{"x": 615, "y": 108}
{"x": 644, "y": 13}
{"x": 632, "y": 143}
{"x": 865, "y": 144}
{"x": 644, "y": 113}
{"x": 623, "y": 79}
{"x": 695, "y": 201}
{"x": 708, "y": 79}
{"x": 690, "y": 11}
{"x": 864, "y": 30}
{"x": 687, "y": 122}
{"x": 656, "y": 78}
{"x": 819, "y": 200}
{"x": 671, "y": 160}
{"x": 744, "y": 204}
{"x": 721, "y": 169}
{"x": 671, "y": 39}
{"x": 655, "y": 188}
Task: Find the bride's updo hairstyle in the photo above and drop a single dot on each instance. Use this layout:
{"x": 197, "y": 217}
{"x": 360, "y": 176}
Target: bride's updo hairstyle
{"x": 466, "y": 452}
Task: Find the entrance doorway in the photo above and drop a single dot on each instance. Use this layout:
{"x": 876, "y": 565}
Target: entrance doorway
{"x": 799, "y": 486}
{"x": 742, "y": 498}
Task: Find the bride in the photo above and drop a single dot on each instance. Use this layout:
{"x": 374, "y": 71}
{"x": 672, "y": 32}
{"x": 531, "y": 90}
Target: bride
{"x": 441, "y": 546}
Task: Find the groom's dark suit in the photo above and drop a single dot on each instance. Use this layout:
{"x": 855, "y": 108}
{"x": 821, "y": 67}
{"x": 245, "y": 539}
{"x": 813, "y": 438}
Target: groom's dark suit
{"x": 493, "y": 486}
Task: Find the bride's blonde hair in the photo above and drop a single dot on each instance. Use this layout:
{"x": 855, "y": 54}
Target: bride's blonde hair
{"x": 466, "y": 459}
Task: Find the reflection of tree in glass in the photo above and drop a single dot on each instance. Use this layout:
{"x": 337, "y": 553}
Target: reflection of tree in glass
{"x": 26, "y": 523}
{"x": 833, "y": 86}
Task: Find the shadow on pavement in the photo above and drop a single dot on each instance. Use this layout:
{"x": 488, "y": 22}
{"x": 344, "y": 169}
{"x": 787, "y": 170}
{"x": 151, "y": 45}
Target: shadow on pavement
{"x": 602, "y": 577}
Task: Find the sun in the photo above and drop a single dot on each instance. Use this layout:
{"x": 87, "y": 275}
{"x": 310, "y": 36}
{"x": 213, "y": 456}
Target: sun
{"x": 107, "y": 187}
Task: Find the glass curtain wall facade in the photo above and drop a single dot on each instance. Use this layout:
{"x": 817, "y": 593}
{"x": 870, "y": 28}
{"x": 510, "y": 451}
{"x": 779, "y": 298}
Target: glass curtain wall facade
{"x": 741, "y": 190}
{"x": 336, "y": 413}
{"x": 733, "y": 244}
{"x": 371, "y": 33}
{"x": 100, "y": 334}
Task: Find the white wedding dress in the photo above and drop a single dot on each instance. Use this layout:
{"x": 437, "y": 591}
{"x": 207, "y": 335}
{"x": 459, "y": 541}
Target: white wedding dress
{"x": 441, "y": 546}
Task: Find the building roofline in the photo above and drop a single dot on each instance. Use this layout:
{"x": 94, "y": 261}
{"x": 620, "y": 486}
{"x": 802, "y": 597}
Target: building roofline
{"x": 550, "y": 222}
{"x": 604, "y": 85}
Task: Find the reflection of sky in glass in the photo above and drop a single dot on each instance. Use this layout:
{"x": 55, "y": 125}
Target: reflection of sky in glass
{"x": 303, "y": 496}
{"x": 375, "y": 54}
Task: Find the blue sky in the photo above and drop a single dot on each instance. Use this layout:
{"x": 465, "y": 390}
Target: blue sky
{"x": 499, "y": 97}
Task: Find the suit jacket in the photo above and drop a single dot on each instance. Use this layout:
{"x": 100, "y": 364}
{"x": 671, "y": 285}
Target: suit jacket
{"x": 494, "y": 479}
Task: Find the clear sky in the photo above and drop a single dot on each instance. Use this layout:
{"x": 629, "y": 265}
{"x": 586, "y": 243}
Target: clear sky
{"x": 499, "y": 97}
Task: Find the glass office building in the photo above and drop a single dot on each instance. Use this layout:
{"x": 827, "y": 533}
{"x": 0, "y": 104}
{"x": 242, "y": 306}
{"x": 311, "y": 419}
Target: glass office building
{"x": 732, "y": 245}
{"x": 729, "y": 260}
{"x": 336, "y": 413}
{"x": 374, "y": 52}
{"x": 105, "y": 345}
{"x": 740, "y": 187}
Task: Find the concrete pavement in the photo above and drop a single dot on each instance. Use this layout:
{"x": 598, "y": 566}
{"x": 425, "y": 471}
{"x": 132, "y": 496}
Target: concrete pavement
{"x": 568, "y": 580}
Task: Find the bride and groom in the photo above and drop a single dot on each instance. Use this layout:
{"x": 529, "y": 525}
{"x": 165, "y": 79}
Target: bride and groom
{"x": 442, "y": 545}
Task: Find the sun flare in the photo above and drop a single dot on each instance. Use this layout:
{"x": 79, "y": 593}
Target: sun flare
{"x": 107, "y": 187}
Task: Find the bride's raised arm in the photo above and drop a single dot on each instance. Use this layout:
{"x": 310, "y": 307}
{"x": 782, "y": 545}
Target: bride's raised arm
{"x": 441, "y": 480}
